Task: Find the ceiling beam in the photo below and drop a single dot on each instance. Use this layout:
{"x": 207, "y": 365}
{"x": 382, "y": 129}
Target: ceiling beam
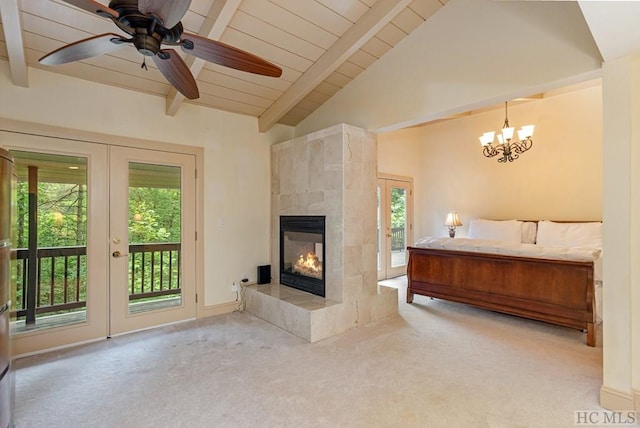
{"x": 13, "y": 38}
{"x": 214, "y": 25}
{"x": 353, "y": 39}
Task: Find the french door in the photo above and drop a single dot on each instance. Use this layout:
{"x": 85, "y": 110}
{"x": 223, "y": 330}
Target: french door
{"x": 395, "y": 225}
{"x": 120, "y": 260}
{"x": 151, "y": 238}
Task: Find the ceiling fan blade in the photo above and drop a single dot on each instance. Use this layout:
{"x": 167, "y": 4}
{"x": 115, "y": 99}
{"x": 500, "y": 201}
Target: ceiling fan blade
{"x": 169, "y": 11}
{"x": 223, "y": 54}
{"x": 83, "y": 49}
{"x": 94, "y": 7}
{"x": 177, "y": 73}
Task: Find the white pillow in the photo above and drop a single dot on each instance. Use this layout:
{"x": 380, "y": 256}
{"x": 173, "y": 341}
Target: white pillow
{"x": 587, "y": 234}
{"x": 529, "y": 231}
{"x": 497, "y": 230}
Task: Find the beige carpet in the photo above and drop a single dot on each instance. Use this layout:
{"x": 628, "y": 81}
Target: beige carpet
{"x": 437, "y": 364}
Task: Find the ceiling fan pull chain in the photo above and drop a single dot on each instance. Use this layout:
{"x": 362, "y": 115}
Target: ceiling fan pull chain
{"x": 144, "y": 58}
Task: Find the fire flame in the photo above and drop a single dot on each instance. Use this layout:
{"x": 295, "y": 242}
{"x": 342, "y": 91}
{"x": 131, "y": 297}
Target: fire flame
{"x": 309, "y": 265}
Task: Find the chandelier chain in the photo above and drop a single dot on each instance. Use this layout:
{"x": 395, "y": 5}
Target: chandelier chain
{"x": 506, "y": 116}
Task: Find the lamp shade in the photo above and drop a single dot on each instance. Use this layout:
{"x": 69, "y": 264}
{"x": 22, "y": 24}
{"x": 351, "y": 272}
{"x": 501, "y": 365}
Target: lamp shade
{"x": 453, "y": 219}
{"x": 527, "y": 130}
{"x": 487, "y": 138}
{"x": 507, "y": 133}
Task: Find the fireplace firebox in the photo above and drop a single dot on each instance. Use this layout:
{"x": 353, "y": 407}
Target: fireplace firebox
{"x": 302, "y": 253}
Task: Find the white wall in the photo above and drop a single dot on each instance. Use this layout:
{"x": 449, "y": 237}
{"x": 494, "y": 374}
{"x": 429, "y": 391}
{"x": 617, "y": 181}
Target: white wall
{"x": 559, "y": 178}
{"x": 621, "y": 290}
{"x": 470, "y": 53}
{"x": 236, "y": 159}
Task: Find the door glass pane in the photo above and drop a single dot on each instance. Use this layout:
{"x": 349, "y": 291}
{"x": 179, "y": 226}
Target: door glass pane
{"x": 398, "y": 226}
{"x": 49, "y": 264}
{"x": 154, "y": 237}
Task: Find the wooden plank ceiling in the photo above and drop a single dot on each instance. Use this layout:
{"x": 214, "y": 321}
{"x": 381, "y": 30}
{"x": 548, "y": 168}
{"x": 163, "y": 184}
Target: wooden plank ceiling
{"x": 321, "y": 45}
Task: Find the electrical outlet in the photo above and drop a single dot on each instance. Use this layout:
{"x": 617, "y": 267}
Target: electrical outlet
{"x": 234, "y": 286}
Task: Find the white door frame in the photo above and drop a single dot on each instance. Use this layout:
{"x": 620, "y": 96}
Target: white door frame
{"x": 20, "y": 135}
{"x": 386, "y": 182}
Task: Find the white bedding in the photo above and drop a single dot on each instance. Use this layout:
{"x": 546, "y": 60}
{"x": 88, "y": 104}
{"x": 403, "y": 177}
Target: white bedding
{"x": 524, "y": 250}
{"x": 511, "y": 248}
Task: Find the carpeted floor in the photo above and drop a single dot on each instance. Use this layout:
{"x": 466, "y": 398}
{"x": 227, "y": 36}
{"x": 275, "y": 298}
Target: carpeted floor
{"x": 437, "y": 364}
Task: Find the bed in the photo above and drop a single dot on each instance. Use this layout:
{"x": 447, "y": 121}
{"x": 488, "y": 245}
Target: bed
{"x": 549, "y": 272}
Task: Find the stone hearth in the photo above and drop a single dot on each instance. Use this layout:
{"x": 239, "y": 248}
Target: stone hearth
{"x": 332, "y": 173}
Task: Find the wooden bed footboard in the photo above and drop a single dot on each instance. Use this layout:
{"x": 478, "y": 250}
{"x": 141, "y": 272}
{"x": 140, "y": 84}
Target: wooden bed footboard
{"x": 555, "y": 291}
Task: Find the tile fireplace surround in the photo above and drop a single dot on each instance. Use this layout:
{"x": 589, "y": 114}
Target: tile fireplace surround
{"x": 333, "y": 173}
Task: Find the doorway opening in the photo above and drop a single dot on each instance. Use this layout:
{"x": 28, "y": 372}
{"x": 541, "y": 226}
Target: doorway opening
{"x": 105, "y": 240}
{"x": 395, "y": 224}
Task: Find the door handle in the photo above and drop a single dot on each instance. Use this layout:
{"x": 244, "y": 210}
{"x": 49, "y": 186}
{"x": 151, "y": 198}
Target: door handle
{"x": 117, "y": 254}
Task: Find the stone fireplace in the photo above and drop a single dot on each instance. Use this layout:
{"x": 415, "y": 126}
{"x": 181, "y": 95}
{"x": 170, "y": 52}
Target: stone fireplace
{"x": 332, "y": 174}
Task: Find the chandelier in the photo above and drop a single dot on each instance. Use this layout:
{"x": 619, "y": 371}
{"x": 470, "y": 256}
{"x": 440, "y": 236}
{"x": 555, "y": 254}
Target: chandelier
{"x": 507, "y": 148}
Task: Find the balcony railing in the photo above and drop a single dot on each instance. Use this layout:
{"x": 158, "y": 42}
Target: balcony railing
{"x": 397, "y": 239}
{"x": 154, "y": 270}
{"x": 60, "y": 283}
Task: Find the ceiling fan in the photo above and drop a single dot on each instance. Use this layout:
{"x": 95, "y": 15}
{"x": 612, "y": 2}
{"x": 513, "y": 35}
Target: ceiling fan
{"x": 150, "y": 25}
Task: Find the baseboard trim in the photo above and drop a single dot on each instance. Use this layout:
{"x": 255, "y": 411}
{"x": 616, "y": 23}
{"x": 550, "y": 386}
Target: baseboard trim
{"x": 636, "y": 400}
{"x": 223, "y": 308}
{"x": 611, "y": 399}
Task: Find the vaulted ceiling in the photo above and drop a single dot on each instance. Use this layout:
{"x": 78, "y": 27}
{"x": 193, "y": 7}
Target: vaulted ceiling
{"x": 321, "y": 45}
